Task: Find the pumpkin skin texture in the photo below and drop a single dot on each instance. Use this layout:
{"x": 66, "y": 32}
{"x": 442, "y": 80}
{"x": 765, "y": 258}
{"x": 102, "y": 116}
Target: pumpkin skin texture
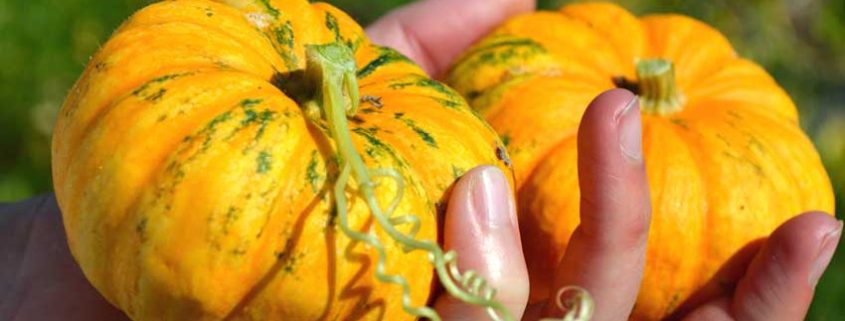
{"x": 193, "y": 188}
{"x": 726, "y": 168}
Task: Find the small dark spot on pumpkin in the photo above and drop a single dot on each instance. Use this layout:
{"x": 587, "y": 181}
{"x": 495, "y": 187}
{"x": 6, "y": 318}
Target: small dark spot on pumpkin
{"x": 723, "y": 139}
{"x": 357, "y": 120}
{"x": 288, "y": 260}
{"x": 141, "y": 228}
{"x": 449, "y": 103}
{"x": 311, "y": 174}
{"x": 238, "y": 251}
{"x": 372, "y": 100}
{"x": 157, "y": 95}
{"x": 506, "y": 139}
{"x": 457, "y": 172}
{"x": 101, "y": 66}
{"x": 231, "y": 217}
{"x": 502, "y": 155}
{"x": 370, "y": 152}
{"x": 673, "y": 303}
{"x": 162, "y": 118}
{"x": 400, "y": 85}
{"x": 398, "y": 115}
{"x": 264, "y": 161}
{"x": 247, "y": 103}
{"x": 734, "y": 114}
{"x": 680, "y": 123}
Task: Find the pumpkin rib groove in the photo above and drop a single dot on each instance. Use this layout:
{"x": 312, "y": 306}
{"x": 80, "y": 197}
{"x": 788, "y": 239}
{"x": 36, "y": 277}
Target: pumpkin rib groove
{"x": 260, "y": 243}
{"x": 223, "y": 34}
{"x": 91, "y": 126}
{"x": 272, "y": 272}
{"x": 692, "y": 149}
{"x": 226, "y": 34}
{"x": 103, "y": 112}
{"x": 181, "y": 11}
{"x": 182, "y": 29}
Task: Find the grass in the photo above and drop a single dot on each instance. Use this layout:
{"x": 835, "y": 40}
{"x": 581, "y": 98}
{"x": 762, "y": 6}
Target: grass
{"x": 45, "y": 44}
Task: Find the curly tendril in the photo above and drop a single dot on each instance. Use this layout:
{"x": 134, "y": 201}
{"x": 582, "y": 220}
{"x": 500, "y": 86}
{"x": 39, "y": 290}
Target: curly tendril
{"x": 337, "y": 97}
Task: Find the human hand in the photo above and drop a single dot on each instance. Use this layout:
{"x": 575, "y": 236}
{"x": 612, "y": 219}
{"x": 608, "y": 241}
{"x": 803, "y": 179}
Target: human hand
{"x": 39, "y": 279}
{"x": 774, "y": 279}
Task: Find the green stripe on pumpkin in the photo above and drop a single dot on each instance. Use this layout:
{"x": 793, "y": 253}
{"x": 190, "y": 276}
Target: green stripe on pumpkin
{"x": 387, "y": 56}
{"x": 269, "y": 8}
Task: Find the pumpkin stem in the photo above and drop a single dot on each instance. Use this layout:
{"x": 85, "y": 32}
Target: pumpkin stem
{"x": 336, "y": 98}
{"x": 658, "y": 91}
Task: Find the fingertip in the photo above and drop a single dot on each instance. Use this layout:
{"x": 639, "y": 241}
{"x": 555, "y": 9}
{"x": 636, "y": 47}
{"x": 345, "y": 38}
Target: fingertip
{"x": 788, "y": 268}
{"x": 610, "y": 128}
{"x": 800, "y": 239}
{"x": 607, "y": 104}
{"x": 481, "y": 227}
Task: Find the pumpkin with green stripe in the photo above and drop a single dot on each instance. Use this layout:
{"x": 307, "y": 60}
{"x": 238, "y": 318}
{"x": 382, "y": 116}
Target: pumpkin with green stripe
{"x": 195, "y": 184}
{"x": 726, "y": 160}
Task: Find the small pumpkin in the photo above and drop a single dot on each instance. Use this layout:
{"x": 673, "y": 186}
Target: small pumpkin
{"x": 726, "y": 160}
{"x": 195, "y": 184}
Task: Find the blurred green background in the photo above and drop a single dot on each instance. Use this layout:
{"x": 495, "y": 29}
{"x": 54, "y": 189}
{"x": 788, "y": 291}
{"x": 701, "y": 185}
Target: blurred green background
{"x": 44, "y": 45}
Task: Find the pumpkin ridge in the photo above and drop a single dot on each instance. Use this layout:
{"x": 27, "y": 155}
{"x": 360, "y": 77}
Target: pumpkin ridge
{"x": 694, "y": 150}
{"x": 625, "y": 46}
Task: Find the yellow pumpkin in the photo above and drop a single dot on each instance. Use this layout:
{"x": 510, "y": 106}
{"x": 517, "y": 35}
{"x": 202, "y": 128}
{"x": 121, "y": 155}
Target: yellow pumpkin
{"x": 193, "y": 185}
{"x": 726, "y": 160}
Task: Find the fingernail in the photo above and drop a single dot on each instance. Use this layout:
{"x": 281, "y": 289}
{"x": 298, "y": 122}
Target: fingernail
{"x": 492, "y": 199}
{"x": 629, "y": 128}
{"x": 828, "y": 247}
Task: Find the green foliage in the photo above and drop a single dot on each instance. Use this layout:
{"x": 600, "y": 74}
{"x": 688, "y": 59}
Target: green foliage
{"x": 45, "y": 45}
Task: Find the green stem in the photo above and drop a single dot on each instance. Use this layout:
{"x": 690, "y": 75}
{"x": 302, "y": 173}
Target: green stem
{"x": 659, "y": 93}
{"x": 336, "y": 98}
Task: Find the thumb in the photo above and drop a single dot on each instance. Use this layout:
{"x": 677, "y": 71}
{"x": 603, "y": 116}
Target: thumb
{"x": 481, "y": 227}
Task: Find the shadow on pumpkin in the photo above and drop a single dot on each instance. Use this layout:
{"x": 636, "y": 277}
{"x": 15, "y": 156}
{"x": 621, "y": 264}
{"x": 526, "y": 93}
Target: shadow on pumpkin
{"x": 286, "y": 253}
{"x": 723, "y": 283}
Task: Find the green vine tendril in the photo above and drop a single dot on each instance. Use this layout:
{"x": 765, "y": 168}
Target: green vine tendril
{"x": 336, "y": 98}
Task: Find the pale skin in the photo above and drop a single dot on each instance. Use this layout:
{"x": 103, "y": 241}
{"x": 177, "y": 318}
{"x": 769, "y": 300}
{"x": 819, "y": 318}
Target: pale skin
{"x": 775, "y": 278}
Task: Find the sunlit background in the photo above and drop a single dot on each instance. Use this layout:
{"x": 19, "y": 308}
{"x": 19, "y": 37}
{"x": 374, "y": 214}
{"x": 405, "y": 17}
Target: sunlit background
{"x": 44, "y": 45}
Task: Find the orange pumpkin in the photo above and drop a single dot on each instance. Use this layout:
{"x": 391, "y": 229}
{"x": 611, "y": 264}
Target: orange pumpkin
{"x": 726, "y": 159}
{"x": 194, "y": 187}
